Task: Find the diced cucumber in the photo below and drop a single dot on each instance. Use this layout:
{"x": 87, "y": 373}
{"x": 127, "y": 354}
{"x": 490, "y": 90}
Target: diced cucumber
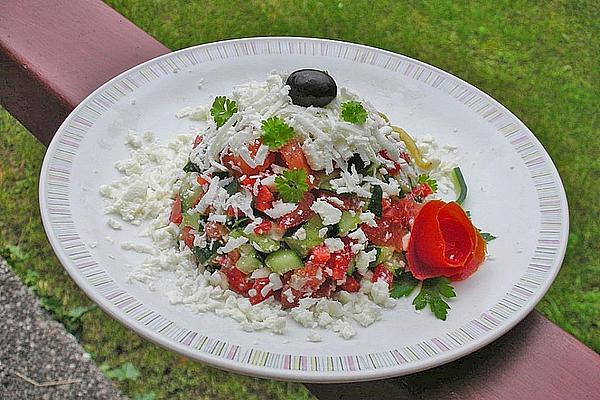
{"x": 351, "y": 267}
{"x": 189, "y": 197}
{"x": 248, "y": 263}
{"x": 312, "y": 239}
{"x": 262, "y": 243}
{"x": 395, "y": 263}
{"x": 384, "y": 254}
{"x": 191, "y": 220}
{"x": 348, "y": 223}
{"x": 283, "y": 260}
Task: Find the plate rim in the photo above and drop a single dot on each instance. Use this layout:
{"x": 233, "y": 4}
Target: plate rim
{"x": 289, "y": 374}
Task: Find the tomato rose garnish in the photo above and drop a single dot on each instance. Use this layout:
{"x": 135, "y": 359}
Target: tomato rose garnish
{"x": 444, "y": 242}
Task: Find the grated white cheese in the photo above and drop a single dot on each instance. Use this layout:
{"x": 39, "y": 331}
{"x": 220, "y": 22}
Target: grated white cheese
{"x": 328, "y": 213}
{"x": 279, "y": 209}
{"x": 334, "y": 244}
{"x": 143, "y": 196}
{"x": 232, "y": 244}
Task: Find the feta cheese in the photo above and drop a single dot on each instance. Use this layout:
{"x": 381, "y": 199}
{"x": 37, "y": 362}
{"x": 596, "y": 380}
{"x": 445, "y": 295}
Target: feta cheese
{"x": 232, "y": 244}
{"x": 368, "y": 218}
{"x": 300, "y": 234}
{"x": 328, "y": 213}
{"x": 279, "y": 209}
{"x": 334, "y": 244}
{"x": 363, "y": 259}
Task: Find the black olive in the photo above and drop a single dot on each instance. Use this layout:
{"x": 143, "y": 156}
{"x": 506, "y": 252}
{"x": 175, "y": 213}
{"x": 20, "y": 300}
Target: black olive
{"x": 311, "y": 87}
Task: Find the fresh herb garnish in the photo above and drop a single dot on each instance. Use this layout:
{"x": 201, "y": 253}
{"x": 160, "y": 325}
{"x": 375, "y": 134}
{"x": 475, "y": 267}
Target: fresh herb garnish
{"x": 353, "y": 112}
{"x": 375, "y": 205}
{"x": 205, "y": 254}
{"x": 433, "y": 292}
{"x": 233, "y": 187}
{"x": 432, "y": 183}
{"x": 404, "y": 285}
{"x": 292, "y": 185}
{"x": 488, "y": 237}
{"x": 275, "y": 132}
{"x": 222, "y": 109}
{"x": 191, "y": 167}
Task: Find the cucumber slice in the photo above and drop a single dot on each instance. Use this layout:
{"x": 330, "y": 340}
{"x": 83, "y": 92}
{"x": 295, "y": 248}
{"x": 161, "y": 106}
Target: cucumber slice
{"x": 351, "y": 267}
{"x": 312, "y": 239}
{"x": 348, "y": 223}
{"x": 189, "y": 196}
{"x": 262, "y": 243}
{"x": 283, "y": 260}
{"x": 384, "y": 254}
{"x": 191, "y": 220}
{"x": 248, "y": 263}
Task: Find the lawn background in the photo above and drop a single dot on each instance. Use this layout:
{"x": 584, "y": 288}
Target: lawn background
{"x": 539, "y": 59}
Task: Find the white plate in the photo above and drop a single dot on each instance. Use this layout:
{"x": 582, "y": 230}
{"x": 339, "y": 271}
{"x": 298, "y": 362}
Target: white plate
{"x": 515, "y": 193}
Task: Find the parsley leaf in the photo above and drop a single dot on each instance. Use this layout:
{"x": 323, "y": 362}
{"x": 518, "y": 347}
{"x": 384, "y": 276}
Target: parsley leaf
{"x": 276, "y": 132}
{"x": 222, "y": 109}
{"x": 403, "y": 285}
{"x": 292, "y": 185}
{"x": 191, "y": 167}
{"x": 433, "y": 293}
{"x": 354, "y": 112}
{"x": 432, "y": 183}
{"x": 488, "y": 237}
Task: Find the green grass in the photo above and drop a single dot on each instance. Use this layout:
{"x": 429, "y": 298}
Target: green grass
{"x": 540, "y": 59}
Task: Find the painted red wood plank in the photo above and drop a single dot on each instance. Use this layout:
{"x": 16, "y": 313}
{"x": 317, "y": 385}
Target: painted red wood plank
{"x": 535, "y": 360}
{"x": 53, "y": 53}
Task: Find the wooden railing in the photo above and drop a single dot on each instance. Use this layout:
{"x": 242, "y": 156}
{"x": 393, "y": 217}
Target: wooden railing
{"x": 54, "y": 53}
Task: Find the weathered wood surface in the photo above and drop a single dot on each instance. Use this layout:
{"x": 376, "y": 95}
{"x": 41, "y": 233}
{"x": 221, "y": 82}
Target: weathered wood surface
{"x": 53, "y": 53}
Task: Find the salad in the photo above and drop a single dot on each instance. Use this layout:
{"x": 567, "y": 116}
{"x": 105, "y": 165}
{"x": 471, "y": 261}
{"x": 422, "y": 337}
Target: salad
{"x": 303, "y": 190}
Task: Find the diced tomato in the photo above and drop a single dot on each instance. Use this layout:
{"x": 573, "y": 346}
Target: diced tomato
{"x": 338, "y": 264}
{"x": 351, "y": 285}
{"x": 238, "y": 281}
{"x": 264, "y": 227}
{"x": 381, "y": 272}
{"x": 239, "y": 166}
{"x": 197, "y": 141}
{"x": 294, "y": 156}
{"x": 391, "y": 170}
{"x": 228, "y": 260}
{"x": 202, "y": 181}
{"x": 402, "y": 210}
{"x": 215, "y": 230}
{"x": 349, "y": 202}
{"x": 176, "y": 216}
{"x": 290, "y": 301}
{"x": 307, "y": 279}
{"x": 320, "y": 255}
{"x": 421, "y": 191}
{"x": 300, "y": 214}
{"x": 405, "y": 156}
{"x": 264, "y": 199}
{"x": 393, "y": 224}
{"x": 258, "y": 285}
{"x": 325, "y": 289}
{"x": 386, "y": 202}
{"x": 187, "y": 235}
{"x": 248, "y": 181}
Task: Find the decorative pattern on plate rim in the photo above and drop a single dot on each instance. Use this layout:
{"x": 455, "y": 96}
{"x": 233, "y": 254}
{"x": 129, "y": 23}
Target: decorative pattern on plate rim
{"x": 549, "y": 190}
